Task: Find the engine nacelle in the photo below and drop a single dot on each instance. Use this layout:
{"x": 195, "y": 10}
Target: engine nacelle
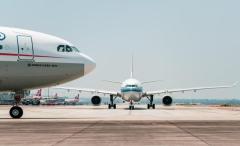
{"x": 96, "y": 100}
{"x": 167, "y": 100}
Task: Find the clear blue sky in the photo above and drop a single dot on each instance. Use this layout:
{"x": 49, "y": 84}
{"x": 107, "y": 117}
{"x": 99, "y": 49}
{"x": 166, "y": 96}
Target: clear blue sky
{"x": 186, "y": 43}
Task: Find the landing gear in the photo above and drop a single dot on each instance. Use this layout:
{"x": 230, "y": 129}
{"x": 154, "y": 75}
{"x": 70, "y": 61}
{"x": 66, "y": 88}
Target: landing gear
{"x": 16, "y": 112}
{"x": 112, "y": 105}
{"x": 151, "y": 105}
{"x": 131, "y": 106}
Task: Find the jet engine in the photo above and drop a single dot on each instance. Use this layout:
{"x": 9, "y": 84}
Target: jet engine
{"x": 96, "y": 100}
{"x": 167, "y": 100}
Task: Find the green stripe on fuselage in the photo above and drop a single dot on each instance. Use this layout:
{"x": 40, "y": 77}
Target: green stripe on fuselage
{"x": 131, "y": 89}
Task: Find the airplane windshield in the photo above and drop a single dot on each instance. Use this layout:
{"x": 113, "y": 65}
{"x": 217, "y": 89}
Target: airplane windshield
{"x": 75, "y": 49}
{"x": 131, "y": 85}
{"x": 66, "y": 48}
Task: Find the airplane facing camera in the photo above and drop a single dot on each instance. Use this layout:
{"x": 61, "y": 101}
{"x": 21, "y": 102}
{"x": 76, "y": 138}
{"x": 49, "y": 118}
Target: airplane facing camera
{"x": 132, "y": 91}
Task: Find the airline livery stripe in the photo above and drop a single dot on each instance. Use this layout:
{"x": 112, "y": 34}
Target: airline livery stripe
{"x": 131, "y": 90}
{"x": 14, "y": 54}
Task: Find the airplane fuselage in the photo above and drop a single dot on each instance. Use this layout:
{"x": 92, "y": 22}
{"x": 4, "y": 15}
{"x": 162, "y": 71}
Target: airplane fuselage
{"x": 131, "y": 90}
{"x": 31, "y": 60}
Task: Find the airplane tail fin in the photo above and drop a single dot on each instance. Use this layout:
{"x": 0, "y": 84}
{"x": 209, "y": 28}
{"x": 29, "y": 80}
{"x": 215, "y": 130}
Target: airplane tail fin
{"x": 39, "y": 92}
{"x": 77, "y": 97}
{"x": 56, "y": 95}
{"x": 131, "y": 75}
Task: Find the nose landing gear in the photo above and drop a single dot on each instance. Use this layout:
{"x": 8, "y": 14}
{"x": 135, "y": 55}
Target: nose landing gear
{"x": 131, "y": 106}
{"x": 16, "y": 112}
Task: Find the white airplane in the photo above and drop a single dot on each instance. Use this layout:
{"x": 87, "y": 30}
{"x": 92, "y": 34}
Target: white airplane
{"x": 33, "y": 99}
{"x": 72, "y": 101}
{"x": 30, "y": 60}
{"x": 132, "y": 91}
{"x": 38, "y": 95}
{"x": 55, "y": 100}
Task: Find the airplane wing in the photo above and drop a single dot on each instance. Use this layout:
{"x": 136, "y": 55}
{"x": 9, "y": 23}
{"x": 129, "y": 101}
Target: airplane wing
{"x": 188, "y": 89}
{"x": 93, "y": 91}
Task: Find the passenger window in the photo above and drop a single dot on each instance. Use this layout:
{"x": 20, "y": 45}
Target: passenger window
{"x": 1, "y": 47}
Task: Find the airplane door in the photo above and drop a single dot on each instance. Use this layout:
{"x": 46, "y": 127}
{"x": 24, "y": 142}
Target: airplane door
{"x": 25, "y": 48}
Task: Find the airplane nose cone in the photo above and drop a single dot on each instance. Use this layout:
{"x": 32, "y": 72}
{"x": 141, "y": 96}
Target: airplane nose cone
{"x": 89, "y": 65}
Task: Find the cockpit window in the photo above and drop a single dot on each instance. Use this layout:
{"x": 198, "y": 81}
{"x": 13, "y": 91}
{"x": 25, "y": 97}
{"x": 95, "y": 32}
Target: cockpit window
{"x": 75, "y": 49}
{"x": 61, "y": 48}
{"x": 131, "y": 85}
{"x": 66, "y": 48}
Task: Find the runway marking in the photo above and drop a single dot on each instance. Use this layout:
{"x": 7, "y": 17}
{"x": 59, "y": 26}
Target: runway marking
{"x": 188, "y": 132}
{"x": 75, "y": 133}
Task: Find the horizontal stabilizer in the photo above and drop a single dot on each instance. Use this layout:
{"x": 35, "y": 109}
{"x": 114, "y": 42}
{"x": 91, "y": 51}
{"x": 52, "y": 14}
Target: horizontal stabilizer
{"x": 115, "y": 82}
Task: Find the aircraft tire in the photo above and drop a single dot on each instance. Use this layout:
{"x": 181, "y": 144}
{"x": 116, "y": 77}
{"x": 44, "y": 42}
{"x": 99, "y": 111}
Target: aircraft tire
{"x": 27, "y": 103}
{"x": 131, "y": 107}
{"x": 16, "y": 112}
{"x": 36, "y": 102}
{"x": 153, "y": 106}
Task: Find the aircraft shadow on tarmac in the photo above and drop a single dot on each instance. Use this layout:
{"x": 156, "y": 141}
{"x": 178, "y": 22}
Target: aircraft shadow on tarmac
{"x": 158, "y": 108}
{"x": 136, "y": 108}
{"x": 126, "y": 108}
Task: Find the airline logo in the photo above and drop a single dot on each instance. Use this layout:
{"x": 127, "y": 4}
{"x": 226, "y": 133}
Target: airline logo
{"x": 2, "y": 36}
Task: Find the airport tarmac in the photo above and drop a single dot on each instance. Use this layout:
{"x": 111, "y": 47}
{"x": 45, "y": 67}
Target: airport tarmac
{"x": 88, "y": 125}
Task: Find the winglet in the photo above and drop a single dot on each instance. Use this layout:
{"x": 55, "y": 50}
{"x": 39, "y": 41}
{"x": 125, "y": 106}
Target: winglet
{"x": 235, "y": 84}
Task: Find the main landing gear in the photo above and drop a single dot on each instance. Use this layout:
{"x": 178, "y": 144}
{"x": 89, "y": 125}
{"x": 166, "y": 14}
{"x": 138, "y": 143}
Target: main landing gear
{"x": 16, "y": 112}
{"x": 112, "y": 105}
{"x": 131, "y": 106}
{"x": 151, "y": 105}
